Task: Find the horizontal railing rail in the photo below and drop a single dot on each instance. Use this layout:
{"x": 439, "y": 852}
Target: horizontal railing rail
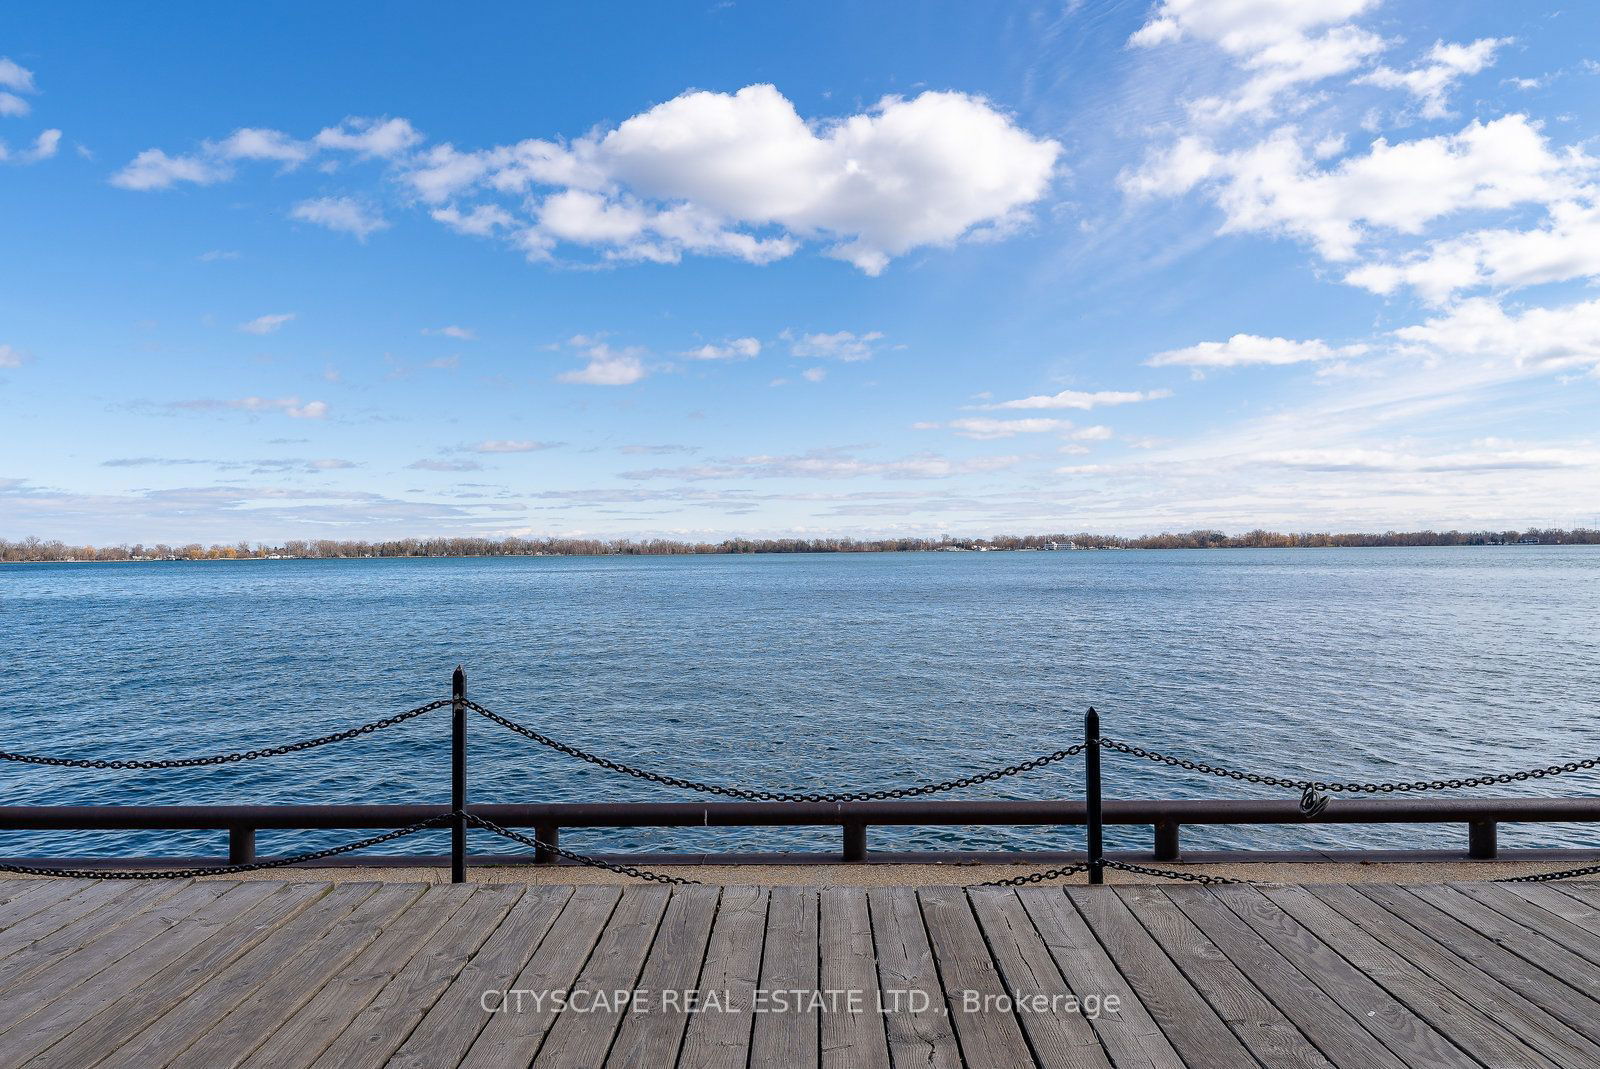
{"x": 1164, "y": 816}
{"x": 853, "y": 812}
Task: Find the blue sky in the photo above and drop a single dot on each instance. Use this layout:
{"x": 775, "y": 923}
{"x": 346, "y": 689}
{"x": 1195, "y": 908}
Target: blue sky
{"x": 714, "y": 269}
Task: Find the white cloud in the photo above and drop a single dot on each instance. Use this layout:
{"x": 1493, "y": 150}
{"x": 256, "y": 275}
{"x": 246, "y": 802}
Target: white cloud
{"x": 1281, "y": 44}
{"x": 989, "y": 429}
{"x": 154, "y": 169}
{"x": 985, "y": 429}
{"x": 370, "y": 137}
{"x": 606, "y": 366}
{"x": 10, "y": 356}
{"x": 267, "y": 324}
{"x": 1538, "y": 339}
{"x": 830, "y": 464}
{"x": 19, "y": 78}
{"x": 445, "y": 465}
{"x": 1080, "y": 399}
{"x": 1392, "y": 460}
{"x": 289, "y": 406}
{"x": 1283, "y": 65}
{"x": 458, "y": 333}
{"x": 214, "y": 255}
{"x": 814, "y": 374}
{"x": 698, "y": 172}
{"x": 1565, "y": 246}
{"x": 44, "y": 147}
{"x": 1273, "y": 187}
{"x": 736, "y": 349}
{"x": 482, "y": 221}
{"x": 1242, "y": 25}
{"x": 739, "y": 175}
{"x": 1432, "y": 79}
{"x": 1244, "y": 349}
{"x": 15, "y": 76}
{"x": 506, "y": 445}
{"x": 343, "y": 214}
{"x": 840, "y": 345}
{"x": 248, "y": 143}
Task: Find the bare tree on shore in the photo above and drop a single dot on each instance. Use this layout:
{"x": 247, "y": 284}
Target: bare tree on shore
{"x": 36, "y": 549}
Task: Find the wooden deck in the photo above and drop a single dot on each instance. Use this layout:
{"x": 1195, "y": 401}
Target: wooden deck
{"x": 283, "y": 975}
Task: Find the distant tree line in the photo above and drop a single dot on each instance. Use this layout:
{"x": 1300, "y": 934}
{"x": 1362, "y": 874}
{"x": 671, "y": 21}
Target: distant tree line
{"x": 35, "y": 549}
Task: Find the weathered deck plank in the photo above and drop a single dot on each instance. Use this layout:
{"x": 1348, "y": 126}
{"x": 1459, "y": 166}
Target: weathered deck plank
{"x": 917, "y": 1025}
{"x": 718, "y": 1036}
{"x": 673, "y": 965}
{"x": 385, "y": 1022}
{"x": 311, "y": 1029}
{"x": 1406, "y": 977}
{"x": 847, "y": 963}
{"x": 1260, "y": 1025}
{"x": 1058, "y": 1038}
{"x": 1318, "y": 1015}
{"x": 269, "y": 975}
{"x": 93, "y": 1020}
{"x": 454, "y": 1021}
{"x": 1483, "y": 991}
{"x": 1193, "y": 1028}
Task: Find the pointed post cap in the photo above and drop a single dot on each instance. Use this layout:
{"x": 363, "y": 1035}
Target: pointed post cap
{"x": 458, "y": 683}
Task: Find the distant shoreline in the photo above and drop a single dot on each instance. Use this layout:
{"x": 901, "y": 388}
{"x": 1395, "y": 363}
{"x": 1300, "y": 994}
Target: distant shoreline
{"x": 39, "y": 551}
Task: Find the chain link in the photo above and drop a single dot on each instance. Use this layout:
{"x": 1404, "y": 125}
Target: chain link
{"x": 1171, "y": 874}
{"x": 226, "y": 870}
{"x": 773, "y": 796}
{"x": 1035, "y": 877}
{"x": 230, "y": 758}
{"x": 582, "y": 859}
{"x": 1546, "y": 877}
{"x": 1318, "y": 786}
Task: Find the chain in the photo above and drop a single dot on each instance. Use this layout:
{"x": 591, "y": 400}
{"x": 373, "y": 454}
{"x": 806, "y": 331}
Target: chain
{"x": 230, "y": 758}
{"x": 1036, "y": 877}
{"x": 1545, "y": 877}
{"x": 1171, "y": 874}
{"x": 226, "y": 870}
{"x": 774, "y": 796}
{"x": 582, "y": 859}
{"x": 1315, "y": 786}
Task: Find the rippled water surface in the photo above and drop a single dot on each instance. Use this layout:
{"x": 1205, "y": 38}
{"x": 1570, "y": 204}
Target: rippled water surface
{"x": 804, "y": 672}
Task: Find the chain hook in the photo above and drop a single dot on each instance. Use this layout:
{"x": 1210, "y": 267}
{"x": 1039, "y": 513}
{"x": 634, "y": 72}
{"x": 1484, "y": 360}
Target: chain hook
{"x": 1311, "y": 803}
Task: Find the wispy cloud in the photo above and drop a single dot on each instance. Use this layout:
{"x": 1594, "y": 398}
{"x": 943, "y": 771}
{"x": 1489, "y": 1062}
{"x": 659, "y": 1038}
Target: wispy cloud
{"x": 458, "y": 333}
{"x": 445, "y": 465}
{"x": 1080, "y": 399}
{"x": 510, "y": 445}
{"x": 606, "y": 366}
{"x": 267, "y": 324}
{"x": 736, "y": 349}
{"x": 1242, "y": 349}
{"x": 344, "y": 215}
{"x": 840, "y": 345}
{"x": 830, "y": 464}
{"x": 289, "y": 406}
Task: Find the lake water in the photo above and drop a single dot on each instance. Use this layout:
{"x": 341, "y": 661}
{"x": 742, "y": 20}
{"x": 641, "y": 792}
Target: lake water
{"x": 819, "y": 672}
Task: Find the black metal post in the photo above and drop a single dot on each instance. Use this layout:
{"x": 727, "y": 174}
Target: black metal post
{"x": 458, "y": 776}
{"x": 1166, "y": 840}
{"x": 1091, "y": 787}
{"x": 1482, "y": 839}
{"x": 855, "y": 840}
{"x": 241, "y": 846}
{"x": 548, "y": 835}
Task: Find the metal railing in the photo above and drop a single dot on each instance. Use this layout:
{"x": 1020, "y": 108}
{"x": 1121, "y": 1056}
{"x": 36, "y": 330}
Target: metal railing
{"x": 853, "y": 812}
